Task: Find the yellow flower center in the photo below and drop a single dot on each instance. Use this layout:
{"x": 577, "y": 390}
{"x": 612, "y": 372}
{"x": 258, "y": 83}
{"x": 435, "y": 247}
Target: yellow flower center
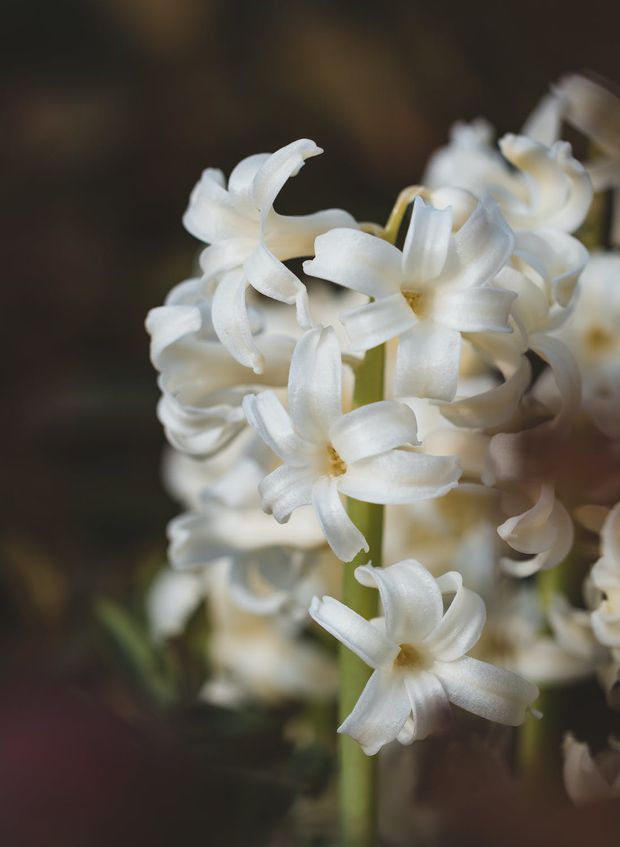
{"x": 337, "y": 465}
{"x": 410, "y": 657}
{"x": 416, "y": 300}
{"x": 599, "y": 339}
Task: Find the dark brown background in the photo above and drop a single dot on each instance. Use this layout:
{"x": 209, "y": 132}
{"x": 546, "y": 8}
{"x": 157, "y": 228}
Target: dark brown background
{"x": 109, "y": 111}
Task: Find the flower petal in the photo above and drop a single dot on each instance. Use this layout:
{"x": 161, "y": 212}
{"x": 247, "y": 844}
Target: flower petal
{"x": 213, "y": 214}
{"x": 373, "y": 323}
{"x": 379, "y": 714}
{"x": 462, "y": 624}
{"x": 427, "y": 362}
{"x": 490, "y": 408}
{"x": 272, "y": 422}
{"x": 560, "y": 190}
{"x": 273, "y": 279}
{"x": 293, "y": 236}
{"x": 357, "y": 260}
{"x": 231, "y": 321}
{"x": 277, "y": 170}
{"x": 400, "y": 476}
{"x": 241, "y": 179}
{"x": 482, "y": 245}
{"x": 484, "y": 690}
{"x": 410, "y": 597}
{"x": 284, "y": 490}
{"x": 315, "y": 384}
{"x": 373, "y": 429}
{"x": 354, "y": 631}
{"x": 480, "y": 309}
{"x": 340, "y": 532}
{"x": 429, "y": 704}
{"x": 426, "y": 244}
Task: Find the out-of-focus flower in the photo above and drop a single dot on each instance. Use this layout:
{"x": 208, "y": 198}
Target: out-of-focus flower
{"x": 605, "y": 577}
{"x": 589, "y": 778}
{"x": 202, "y": 387}
{"x": 249, "y": 241}
{"x": 543, "y": 531}
{"x": 171, "y": 600}
{"x": 427, "y": 295}
{"x": 595, "y": 111}
{"x": 546, "y": 187}
{"x": 326, "y": 453}
{"x": 258, "y": 658}
{"x": 514, "y": 637}
{"x": 417, "y": 652}
{"x": 593, "y": 337}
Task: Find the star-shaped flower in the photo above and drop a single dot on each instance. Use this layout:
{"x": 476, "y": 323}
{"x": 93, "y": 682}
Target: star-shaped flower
{"x": 361, "y": 454}
{"x": 249, "y": 241}
{"x": 429, "y": 293}
{"x": 417, "y": 652}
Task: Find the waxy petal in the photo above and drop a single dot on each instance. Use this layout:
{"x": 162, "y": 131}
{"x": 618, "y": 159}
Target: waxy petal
{"x": 480, "y": 309}
{"x": 462, "y": 624}
{"x": 376, "y": 322}
{"x": 427, "y": 362}
{"x": 410, "y": 596}
{"x": 315, "y": 384}
{"x": 266, "y": 414}
{"x": 400, "y": 476}
{"x": 354, "y": 631}
{"x": 231, "y": 321}
{"x": 429, "y": 705}
{"x": 273, "y": 279}
{"x": 340, "y": 532}
{"x": 427, "y": 241}
{"x": 357, "y": 260}
{"x": 213, "y": 214}
{"x": 379, "y": 714}
{"x": 482, "y": 246}
{"x": 372, "y": 429}
{"x": 284, "y": 490}
{"x": 484, "y": 690}
{"x": 277, "y": 170}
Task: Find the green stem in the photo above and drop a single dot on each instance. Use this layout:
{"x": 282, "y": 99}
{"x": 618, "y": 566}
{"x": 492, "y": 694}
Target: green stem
{"x": 358, "y": 771}
{"x": 538, "y": 748}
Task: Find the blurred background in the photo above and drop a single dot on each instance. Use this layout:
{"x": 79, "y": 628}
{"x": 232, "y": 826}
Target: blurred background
{"x": 110, "y": 110}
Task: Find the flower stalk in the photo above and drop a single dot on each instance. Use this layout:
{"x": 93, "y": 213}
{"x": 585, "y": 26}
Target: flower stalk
{"x": 358, "y": 771}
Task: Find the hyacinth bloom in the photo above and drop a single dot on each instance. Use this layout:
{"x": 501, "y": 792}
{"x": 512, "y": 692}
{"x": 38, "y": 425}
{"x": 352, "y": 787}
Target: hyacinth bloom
{"x": 417, "y": 652}
{"x": 426, "y": 295}
{"x": 605, "y": 577}
{"x": 589, "y": 778}
{"x": 361, "y": 454}
{"x": 249, "y": 241}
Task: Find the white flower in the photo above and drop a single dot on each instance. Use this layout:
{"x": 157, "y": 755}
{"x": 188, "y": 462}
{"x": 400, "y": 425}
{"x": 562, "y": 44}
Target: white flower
{"x": 595, "y": 112}
{"x": 427, "y": 295}
{"x": 417, "y": 652}
{"x": 514, "y": 637}
{"x": 258, "y": 658}
{"x": 546, "y": 187}
{"x": 543, "y": 530}
{"x": 326, "y": 453}
{"x": 605, "y": 576}
{"x": 202, "y": 387}
{"x": 589, "y": 778}
{"x": 249, "y": 241}
{"x": 269, "y": 565}
{"x": 593, "y": 337}
{"x": 171, "y": 600}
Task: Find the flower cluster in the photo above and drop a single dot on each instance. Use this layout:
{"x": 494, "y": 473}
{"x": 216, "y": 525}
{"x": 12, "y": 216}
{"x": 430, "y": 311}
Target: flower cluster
{"x": 493, "y": 448}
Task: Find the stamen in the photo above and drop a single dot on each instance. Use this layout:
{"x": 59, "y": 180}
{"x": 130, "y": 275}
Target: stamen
{"x": 410, "y": 657}
{"x": 337, "y": 466}
{"x": 415, "y": 300}
{"x": 599, "y": 338}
